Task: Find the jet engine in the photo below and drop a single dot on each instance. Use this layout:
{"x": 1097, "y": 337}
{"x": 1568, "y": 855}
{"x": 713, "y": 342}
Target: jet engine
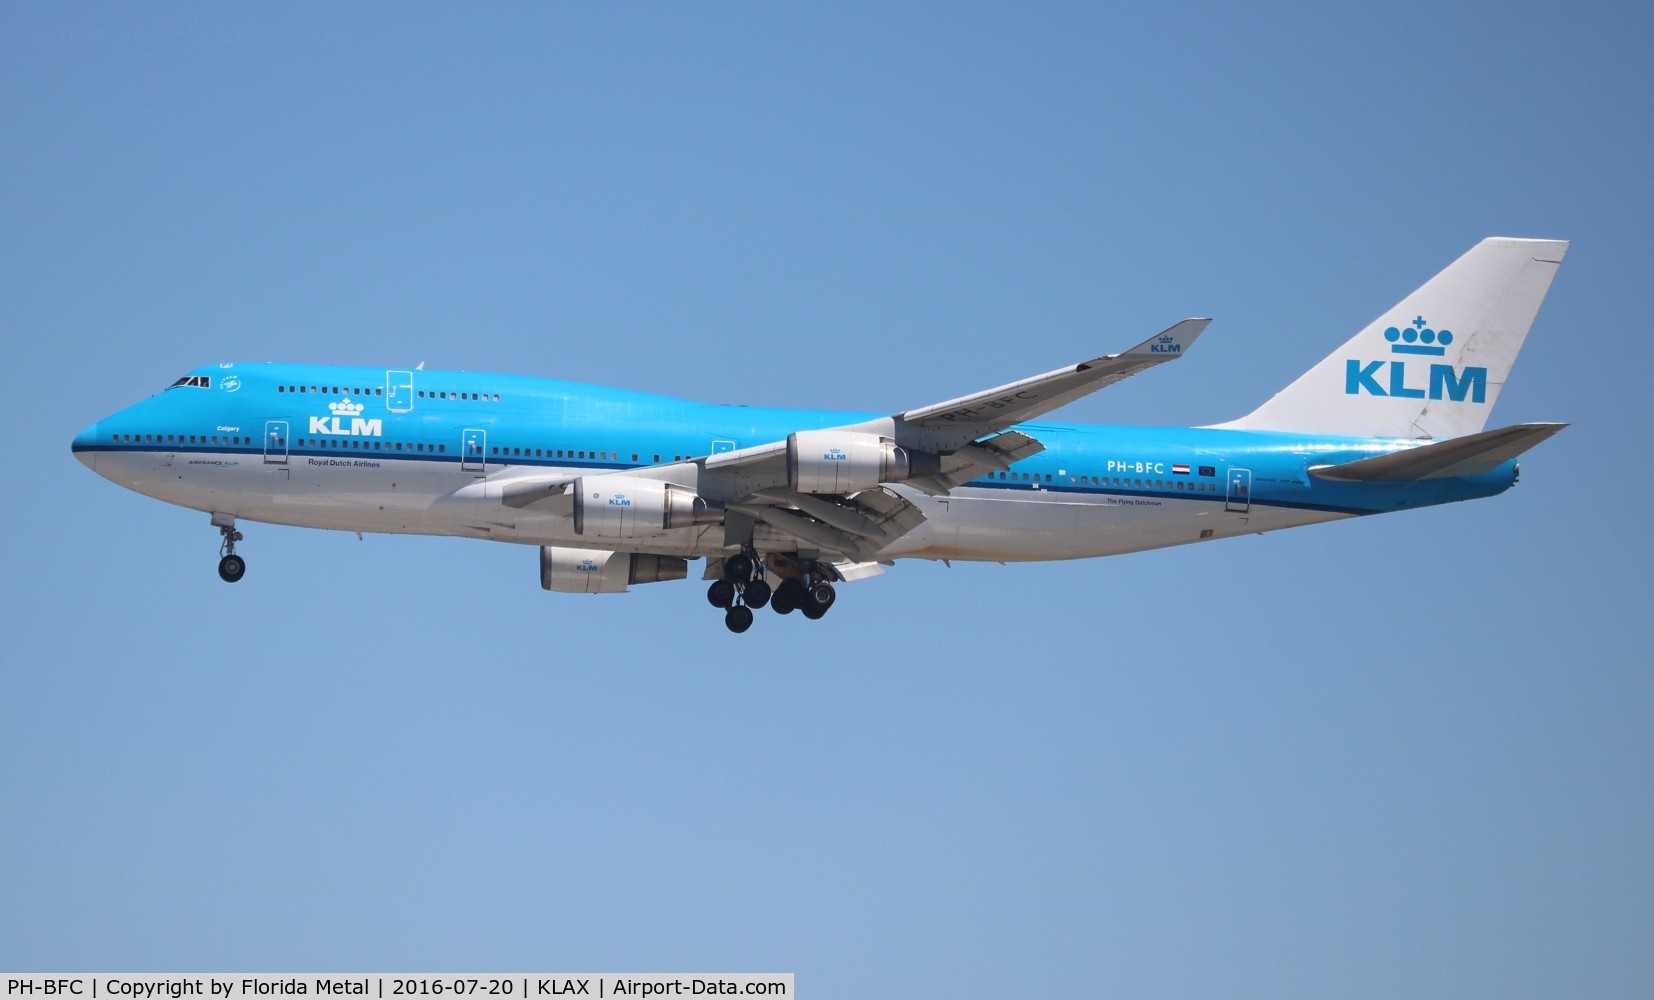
{"x": 834, "y": 461}
{"x": 631, "y": 507}
{"x": 588, "y": 571}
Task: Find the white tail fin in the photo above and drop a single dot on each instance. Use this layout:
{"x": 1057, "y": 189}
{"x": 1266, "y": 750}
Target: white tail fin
{"x": 1431, "y": 367}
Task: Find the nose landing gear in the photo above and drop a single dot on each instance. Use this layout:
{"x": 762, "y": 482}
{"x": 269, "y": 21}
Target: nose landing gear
{"x": 231, "y": 567}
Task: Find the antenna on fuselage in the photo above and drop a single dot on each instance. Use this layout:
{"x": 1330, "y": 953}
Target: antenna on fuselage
{"x": 419, "y": 367}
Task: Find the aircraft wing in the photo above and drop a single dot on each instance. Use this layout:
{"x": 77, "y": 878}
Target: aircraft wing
{"x": 966, "y": 426}
{"x": 946, "y": 444}
{"x": 1002, "y": 406}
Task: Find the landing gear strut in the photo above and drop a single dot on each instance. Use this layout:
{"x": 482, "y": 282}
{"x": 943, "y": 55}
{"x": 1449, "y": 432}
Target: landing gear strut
{"x": 231, "y": 567}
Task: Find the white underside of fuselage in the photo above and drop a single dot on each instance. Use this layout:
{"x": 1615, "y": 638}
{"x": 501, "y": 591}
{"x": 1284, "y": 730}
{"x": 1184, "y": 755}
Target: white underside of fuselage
{"x": 973, "y": 523}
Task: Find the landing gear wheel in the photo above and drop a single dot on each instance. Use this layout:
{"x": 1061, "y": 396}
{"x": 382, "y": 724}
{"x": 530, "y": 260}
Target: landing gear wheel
{"x": 231, "y": 568}
{"x": 757, "y": 593}
{"x": 812, "y": 612}
{"x": 721, "y": 594}
{"x": 818, "y": 599}
{"x": 738, "y": 568}
{"x": 738, "y": 619}
{"x": 788, "y": 597}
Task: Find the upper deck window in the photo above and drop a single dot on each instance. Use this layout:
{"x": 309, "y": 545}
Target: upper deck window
{"x": 194, "y": 382}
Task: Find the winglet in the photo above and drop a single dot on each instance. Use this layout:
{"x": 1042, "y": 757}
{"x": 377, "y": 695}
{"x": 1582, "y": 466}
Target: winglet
{"x": 1169, "y": 343}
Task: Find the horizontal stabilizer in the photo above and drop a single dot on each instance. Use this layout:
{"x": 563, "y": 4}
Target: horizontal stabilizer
{"x": 1464, "y": 456}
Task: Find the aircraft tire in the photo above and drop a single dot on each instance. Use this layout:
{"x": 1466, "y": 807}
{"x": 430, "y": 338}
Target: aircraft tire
{"x": 231, "y": 568}
{"x": 738, "y": 569}
{"x": 757, "y": 593}
{"x": 721, "y": 594}
{"x": 822, "y": 595}
{"x": 813, "y": 612}
{"x": 788, "y": 597}
{"x": 738, "y": 619}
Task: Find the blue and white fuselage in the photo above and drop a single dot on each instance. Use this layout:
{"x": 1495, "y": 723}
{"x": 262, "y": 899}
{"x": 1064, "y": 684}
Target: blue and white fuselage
{"x": 794, "y": 499}
{"x": 264, "y": 453}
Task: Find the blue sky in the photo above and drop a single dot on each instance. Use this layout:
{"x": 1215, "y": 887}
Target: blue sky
{"x": 1408, "y": 755}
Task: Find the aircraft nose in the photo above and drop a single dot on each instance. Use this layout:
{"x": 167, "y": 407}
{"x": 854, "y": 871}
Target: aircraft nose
{"x": 83, "y": 446}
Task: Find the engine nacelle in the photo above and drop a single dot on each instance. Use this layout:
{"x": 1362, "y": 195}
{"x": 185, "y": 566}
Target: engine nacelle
{"x": 632, "y": 507}
{"x": 587, "y": 571}
{"x": 846, "y": 461}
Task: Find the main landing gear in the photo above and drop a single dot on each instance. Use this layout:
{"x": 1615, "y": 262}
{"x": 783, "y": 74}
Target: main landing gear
{"x": 743, "y": 588}
{"x": 231, "y": 567}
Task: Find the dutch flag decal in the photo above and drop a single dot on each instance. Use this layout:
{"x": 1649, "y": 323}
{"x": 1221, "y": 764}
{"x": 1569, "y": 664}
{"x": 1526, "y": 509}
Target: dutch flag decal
{"x": 1180, "y": 470}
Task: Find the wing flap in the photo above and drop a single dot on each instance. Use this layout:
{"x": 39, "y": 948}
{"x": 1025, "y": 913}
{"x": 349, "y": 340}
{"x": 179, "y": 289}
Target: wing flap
{"x": 858, "y": 526}
{"x": 995, "y": 454}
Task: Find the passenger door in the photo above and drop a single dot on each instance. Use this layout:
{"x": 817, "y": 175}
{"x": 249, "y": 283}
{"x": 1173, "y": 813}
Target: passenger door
{"x": 473, "y": 450}
{"x": 275, "y": 442}
{"x": 399, "y": 391}
{"x": 1239, "y": 498}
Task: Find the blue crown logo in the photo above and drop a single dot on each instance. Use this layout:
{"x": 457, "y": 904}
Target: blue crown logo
{"x": 1416, "y": 338}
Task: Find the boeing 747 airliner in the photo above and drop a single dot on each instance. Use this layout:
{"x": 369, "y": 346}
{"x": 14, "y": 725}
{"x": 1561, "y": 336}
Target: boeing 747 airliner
{"x": 619, "y": 488}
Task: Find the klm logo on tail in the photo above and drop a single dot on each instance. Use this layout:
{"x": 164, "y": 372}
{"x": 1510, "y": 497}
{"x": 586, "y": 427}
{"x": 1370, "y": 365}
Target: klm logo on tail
{"x": 1443, "y": 381}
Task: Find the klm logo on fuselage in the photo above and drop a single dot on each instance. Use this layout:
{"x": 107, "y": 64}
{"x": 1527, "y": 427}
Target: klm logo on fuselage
{"x": 1165, "y": 345}
{"x": 1441, "y": 381}
{"x": 346, "y": 421}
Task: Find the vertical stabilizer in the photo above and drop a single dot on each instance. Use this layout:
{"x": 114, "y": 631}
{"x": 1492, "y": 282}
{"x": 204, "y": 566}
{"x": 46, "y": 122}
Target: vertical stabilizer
{"x": 1432, "y": 366}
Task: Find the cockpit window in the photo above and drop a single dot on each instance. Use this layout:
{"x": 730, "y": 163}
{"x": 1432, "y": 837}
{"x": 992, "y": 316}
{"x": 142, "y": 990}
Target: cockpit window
{"x": 194, "y": 382}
